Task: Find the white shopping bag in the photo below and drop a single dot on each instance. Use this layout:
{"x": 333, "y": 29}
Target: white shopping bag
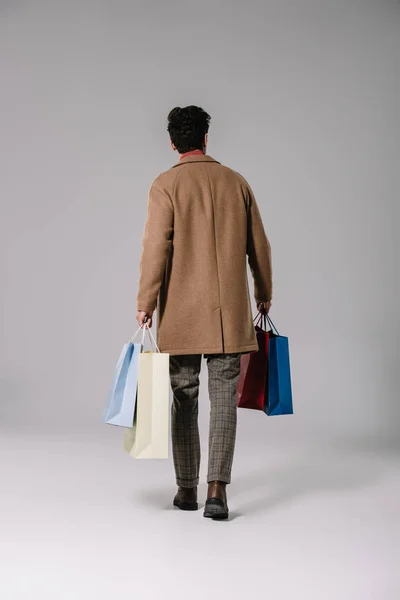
{"x": 148, "y": 438}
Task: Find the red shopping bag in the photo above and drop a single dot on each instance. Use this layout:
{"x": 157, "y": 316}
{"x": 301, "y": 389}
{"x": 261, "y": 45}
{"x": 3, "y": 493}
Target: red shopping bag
{"x": 252, "y": 386}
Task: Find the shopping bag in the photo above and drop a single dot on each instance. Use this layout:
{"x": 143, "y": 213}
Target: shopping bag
{"x": 278, "y": 397}
{"x": 121, "y": 400}
{"x": 253, "y": 372}
{"x": 148, "y": 436}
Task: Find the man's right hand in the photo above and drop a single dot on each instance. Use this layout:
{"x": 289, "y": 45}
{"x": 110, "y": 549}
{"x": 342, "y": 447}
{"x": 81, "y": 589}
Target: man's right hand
{"x": 264, "y": 307}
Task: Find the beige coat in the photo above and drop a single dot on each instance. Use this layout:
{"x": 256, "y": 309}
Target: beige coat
{"x": 202, "y": 222}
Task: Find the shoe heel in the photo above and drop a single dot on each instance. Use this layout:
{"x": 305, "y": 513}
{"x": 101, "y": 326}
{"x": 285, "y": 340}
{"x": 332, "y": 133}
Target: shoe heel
{"x": 214, "y": 510}
{"x": 186, "y": 505}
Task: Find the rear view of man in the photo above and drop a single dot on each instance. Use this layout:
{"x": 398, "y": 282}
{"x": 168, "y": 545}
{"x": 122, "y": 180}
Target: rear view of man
{"x": 203, "y": 225}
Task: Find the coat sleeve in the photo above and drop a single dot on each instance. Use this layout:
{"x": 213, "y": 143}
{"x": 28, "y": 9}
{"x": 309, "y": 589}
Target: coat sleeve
{"x": 156, "y": 242}
{"x": 258, "y": 250}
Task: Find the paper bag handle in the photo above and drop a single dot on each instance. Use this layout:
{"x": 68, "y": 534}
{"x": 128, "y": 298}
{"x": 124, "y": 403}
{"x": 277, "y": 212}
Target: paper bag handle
{"x": 263, "y": 319}
{"x": 144, "y": 333}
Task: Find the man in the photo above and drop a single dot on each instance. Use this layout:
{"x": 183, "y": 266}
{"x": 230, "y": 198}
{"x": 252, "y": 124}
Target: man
{"x": 202, "y": 223}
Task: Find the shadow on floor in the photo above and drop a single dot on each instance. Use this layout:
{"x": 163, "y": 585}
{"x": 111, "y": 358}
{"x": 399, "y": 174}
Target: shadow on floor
{"x": 336, "y": 468}
{"x": 312, "y": 472}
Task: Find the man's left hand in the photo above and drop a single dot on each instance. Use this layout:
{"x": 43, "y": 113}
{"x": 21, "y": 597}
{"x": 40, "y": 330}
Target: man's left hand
{"x": 264, "y": 307}
{"x": 141, "y": 318}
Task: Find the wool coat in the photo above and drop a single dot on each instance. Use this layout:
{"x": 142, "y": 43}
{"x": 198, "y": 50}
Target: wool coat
{"x": 203, "y": 227}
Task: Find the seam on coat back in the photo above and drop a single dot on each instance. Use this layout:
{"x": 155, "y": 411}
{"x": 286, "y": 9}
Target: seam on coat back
{"x": 216, "y": 257}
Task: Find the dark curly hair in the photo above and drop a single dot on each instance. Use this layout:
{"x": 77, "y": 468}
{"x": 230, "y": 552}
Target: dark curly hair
{"x": 187, "y": 127}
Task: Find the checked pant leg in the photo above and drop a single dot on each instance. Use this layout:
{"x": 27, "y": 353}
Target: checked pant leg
{"x": 223, "y": 378}
{"x": 184, "y": 374}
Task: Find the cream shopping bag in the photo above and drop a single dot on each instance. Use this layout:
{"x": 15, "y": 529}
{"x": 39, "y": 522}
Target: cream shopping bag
{"x": 148, "y": 438}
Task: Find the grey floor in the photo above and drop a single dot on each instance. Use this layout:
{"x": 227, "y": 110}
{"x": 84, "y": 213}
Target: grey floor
{"x": 80, "y": 519}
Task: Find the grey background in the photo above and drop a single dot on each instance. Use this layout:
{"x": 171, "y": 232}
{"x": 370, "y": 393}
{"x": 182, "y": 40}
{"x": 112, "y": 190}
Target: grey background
{"x": 304, "y": 102}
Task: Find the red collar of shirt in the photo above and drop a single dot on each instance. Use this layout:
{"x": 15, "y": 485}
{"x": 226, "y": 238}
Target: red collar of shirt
{"x": 192, "y": 152}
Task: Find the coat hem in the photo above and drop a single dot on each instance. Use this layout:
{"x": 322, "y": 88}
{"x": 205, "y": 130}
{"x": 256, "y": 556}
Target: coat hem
{"x": 208, "y": 350}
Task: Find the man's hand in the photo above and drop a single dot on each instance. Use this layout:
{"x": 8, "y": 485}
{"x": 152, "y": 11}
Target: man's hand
{"x": 264, "y": 307}
{"x": 143, "y": 317}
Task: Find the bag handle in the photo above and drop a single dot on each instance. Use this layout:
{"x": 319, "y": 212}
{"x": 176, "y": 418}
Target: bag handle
{"x": 272, "y": 325}
{"x": 144, "y": 333}
{"x": 152, "y": 337}
{"x": 263, "y": 320}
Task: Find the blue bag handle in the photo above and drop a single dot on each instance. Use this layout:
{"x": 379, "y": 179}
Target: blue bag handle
{"x": 272, "y": 325}
{"x": 263, "y": 319}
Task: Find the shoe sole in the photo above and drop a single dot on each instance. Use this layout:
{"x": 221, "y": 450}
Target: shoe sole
{"x": 186, "y": 505}
{"x": 216, "y": 512}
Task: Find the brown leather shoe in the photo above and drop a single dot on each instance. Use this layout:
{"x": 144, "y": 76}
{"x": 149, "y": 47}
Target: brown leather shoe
{"x": 186, "y": 498}
{"x": 216, "y": 506}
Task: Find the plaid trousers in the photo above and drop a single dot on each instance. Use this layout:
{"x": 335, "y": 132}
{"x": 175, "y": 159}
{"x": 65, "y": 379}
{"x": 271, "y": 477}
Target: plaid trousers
{"x": 223, "y": 378}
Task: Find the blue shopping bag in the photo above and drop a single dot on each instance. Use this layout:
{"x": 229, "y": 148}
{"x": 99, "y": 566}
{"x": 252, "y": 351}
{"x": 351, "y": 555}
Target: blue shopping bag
{"x": 278, "y": 387}
{"x": 121, "y": 400}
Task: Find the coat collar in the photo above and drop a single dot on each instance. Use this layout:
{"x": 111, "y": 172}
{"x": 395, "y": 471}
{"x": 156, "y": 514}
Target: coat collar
{"x": 196, "y": 158}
